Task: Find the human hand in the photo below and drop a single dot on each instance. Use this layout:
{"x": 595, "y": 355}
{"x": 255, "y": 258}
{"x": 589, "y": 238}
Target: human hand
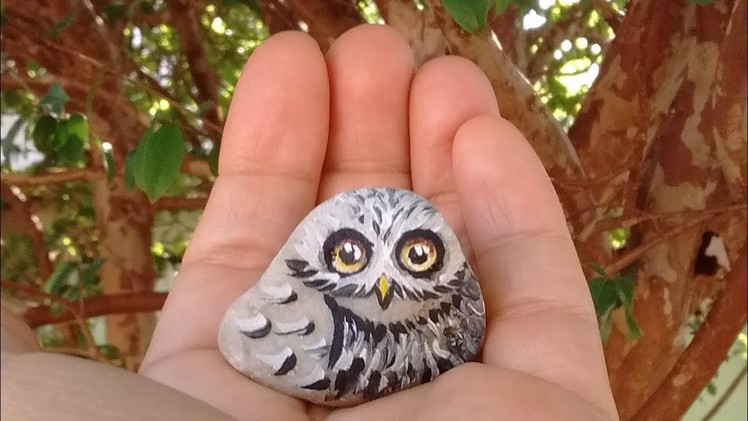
{"x": 302, "y": 128}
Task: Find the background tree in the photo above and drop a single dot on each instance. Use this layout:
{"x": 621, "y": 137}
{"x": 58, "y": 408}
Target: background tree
{"x": 112, "y": 115}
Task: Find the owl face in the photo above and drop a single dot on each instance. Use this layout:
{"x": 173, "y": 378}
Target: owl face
{"x": 382, "y": 245}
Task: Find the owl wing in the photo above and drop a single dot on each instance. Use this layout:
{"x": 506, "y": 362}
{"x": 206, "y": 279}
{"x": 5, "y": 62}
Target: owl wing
{"x": 279, "y": 333}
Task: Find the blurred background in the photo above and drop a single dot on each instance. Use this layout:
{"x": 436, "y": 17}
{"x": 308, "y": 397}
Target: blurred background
{"x": 112, "y": 113}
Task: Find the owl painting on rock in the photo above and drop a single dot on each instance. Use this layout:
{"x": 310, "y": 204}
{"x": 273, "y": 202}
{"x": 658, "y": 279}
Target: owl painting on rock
{"x": 371, "y": 294}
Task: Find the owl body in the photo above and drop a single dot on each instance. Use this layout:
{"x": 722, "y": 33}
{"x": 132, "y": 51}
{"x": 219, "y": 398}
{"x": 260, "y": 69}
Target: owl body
{"x": 371, "y": 294}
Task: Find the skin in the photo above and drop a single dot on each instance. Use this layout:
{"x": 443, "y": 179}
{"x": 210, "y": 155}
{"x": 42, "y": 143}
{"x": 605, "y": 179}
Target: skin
{"x": 304, "y": 126}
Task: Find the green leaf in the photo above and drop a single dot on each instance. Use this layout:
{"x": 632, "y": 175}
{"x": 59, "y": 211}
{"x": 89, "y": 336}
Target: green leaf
{"x": 625, "y": 291}
{"x": 44, "y": 134}
{"x": 604, "y": 296}
{"x": 71, "y": 151}
{"x": 87, "y": 275}
{"x": 471, "y": 15}
{"x": 160, "y": 156}
{"x": 58, "y": 279}
{"x": 60, "y": 26}
{"x": 606, "y": 325}
{"x": 56, "y": 98}
{"x": 76, "y": 125}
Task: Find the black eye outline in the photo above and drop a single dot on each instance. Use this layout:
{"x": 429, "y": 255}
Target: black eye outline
{"x": 417, "y": 234}
{"x": 336, "y": 239}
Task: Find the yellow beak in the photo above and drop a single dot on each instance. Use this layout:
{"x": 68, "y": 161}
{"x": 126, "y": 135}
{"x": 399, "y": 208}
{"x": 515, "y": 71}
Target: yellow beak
{"x": 383, "y": 291}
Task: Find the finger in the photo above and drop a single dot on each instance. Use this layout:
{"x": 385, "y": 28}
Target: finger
{"x": 272, "y": 152}
{"x": 540, "y": 315}
{"x": 370, "y": 72}
{"x": 446, "y": 92}
{"x": 271, "y": 160}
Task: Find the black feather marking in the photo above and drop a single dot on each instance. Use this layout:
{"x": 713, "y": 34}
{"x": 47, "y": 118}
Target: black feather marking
{"x": 258, "y": 333}
{"x": 288, "y": 365}
{"x": 444, "y": 365}
{"x": 379, "y": 333}
{"x": 375, "y": 226}
{"x": 456, "y": 300}
{"x": 357, "y": 367}
{"x": 426, "y": 375}
{"x": 434, "y": 314}
{"x": 428, "y": 295}
{"x": 336, "y": 348}
{"x": 318, "y": 385}
{"x": 411, "y": 372}
{"x": 305, "y": 273}
{"x": 421, "y": 320}
{"x": 387, "y": 233}
{"x": 345, "y": 290}
{"x": 315, "y": 283}
{"x": 327, "y": 287}
{"x": 361, "y": 218}
{"x": 443, "y": 289}
{"x": 372, "y": 388}
{"x": 296, "y": 266}
{"x": 341, "y": 383}
{"x": 291, "y": 298}
{"x": 397, "y": 290}
{"x": 378, "y": 212}
{"x": 445, "y": 307}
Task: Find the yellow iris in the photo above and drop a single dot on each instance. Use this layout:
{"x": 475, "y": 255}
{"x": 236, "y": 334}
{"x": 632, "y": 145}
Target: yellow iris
{"x": 418, "y": 255}
{"x": 349, "y": 256}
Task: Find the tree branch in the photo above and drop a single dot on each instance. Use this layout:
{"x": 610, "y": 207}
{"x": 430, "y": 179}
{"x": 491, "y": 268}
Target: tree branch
{"x": 98, "y": 306}
{"x": 636, "y": 253}
{"x": 726, "y": 395}
{"x": 179, "y": 203}
{"x": 74, "y": 314}
{"x": 65, "y": 176}
{"x": 190, "y": 39}
{"x": 704, "y": 354}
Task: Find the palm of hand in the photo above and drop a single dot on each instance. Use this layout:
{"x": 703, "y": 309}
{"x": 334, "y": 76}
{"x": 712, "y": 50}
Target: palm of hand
{"x": 303, "y": 127}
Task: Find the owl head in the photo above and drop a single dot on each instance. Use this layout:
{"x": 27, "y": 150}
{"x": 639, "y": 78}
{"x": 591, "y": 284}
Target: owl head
{"x": 387, "y": 246}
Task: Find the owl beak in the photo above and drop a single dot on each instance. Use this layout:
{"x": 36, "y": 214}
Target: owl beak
{"x": 383, "y": 292}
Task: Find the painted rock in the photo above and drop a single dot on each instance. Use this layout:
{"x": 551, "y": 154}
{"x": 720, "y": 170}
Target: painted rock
{"x": 371, "y": 294}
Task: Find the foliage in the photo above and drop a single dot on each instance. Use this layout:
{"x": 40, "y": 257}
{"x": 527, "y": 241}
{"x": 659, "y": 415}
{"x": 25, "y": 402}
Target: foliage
{"x": 610, "y": 293}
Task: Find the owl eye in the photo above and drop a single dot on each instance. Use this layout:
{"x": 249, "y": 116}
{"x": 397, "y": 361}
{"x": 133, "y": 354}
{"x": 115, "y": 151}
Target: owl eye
{"x": 347, "y": 251}
{"x": 420, "y": 252}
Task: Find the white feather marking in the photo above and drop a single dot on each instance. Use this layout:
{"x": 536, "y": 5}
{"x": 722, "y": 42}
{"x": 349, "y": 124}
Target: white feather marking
{"x": 344, "y": 362}
{"x": 317, "y": 349}
{"x": 253, "y": 323}
{"x": 438, "y": 351}
{"x": 476, "y": 311}
{"x": 314, "y": 376}
{"x": 277, "y": 293}
{"x": 290, "y": 327}
{"x": 276, "y": 361}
